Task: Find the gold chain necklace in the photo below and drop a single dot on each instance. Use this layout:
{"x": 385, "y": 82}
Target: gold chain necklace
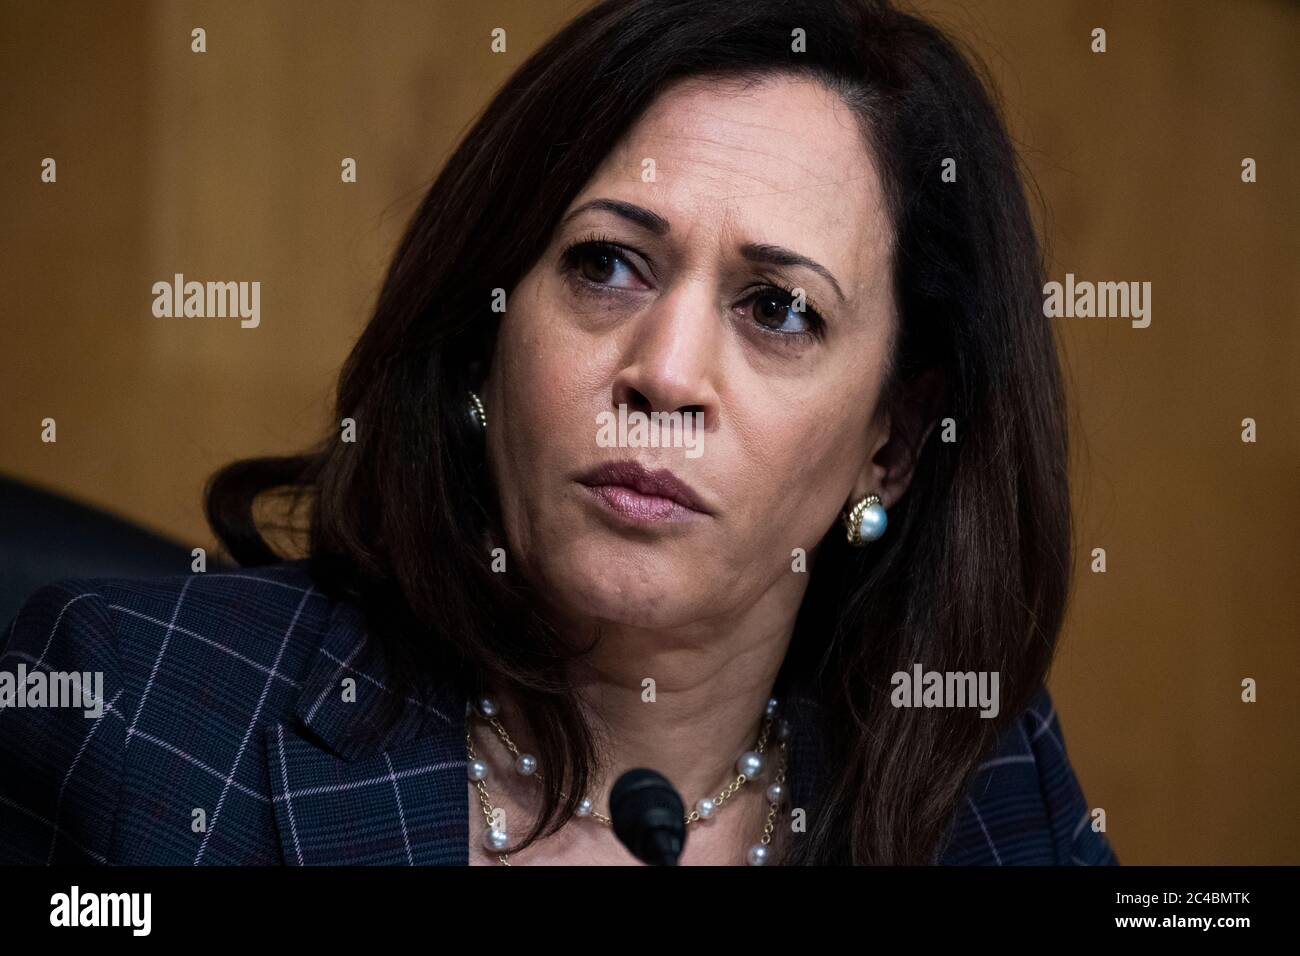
{"x": 526, "y": 765}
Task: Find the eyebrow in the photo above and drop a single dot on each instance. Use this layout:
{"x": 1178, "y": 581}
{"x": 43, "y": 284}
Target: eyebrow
{"x": 758, "y": 252}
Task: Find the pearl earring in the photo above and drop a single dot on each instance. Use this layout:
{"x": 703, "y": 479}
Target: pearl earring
{"x": 476, "y": 410}
{"x": 866, "y": 521}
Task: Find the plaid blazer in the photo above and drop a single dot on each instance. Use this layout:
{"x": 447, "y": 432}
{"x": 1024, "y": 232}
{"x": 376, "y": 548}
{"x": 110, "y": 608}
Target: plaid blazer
{"x": 225, "y": 740}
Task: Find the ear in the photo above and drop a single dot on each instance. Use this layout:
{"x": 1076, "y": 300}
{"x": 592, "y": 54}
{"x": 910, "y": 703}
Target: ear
{"x": 901, "y": 434}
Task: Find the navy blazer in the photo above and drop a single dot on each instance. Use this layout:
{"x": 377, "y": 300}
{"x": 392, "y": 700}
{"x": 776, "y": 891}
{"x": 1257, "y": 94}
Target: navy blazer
{"x": 225, "y": 740}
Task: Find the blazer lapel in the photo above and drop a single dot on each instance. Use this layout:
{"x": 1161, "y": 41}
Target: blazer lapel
{"x": 344, "y": 796}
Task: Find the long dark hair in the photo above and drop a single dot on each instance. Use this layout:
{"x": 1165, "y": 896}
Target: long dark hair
{"x": 974, "y": 572}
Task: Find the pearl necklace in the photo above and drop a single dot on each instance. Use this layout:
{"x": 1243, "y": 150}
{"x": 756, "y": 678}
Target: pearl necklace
{"x": 751, "y": 764}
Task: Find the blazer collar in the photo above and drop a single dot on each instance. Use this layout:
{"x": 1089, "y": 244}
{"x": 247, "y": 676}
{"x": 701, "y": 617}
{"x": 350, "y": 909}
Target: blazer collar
{"x": 345, "y": 722}
{"x": 343, "y": 795}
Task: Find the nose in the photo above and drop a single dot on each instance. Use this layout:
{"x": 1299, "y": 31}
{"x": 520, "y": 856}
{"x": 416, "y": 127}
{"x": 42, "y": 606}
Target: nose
{"x": 671, "y": 361}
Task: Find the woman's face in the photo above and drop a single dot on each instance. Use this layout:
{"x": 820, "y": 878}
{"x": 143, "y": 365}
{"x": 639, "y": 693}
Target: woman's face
{"x": 684, "y": 311}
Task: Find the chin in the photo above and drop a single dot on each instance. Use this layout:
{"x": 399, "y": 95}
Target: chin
{"x": 635, "y": 587}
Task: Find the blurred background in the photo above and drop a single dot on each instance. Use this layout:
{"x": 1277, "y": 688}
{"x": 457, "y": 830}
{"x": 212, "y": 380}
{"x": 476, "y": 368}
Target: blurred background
{"x": 225, "y": 165}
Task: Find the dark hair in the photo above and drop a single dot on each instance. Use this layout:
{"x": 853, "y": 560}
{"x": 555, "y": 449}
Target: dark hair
{"x": 974, "y": 572}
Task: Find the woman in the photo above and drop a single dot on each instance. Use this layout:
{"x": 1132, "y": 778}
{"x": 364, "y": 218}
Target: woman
{"x": 787, "y": 243}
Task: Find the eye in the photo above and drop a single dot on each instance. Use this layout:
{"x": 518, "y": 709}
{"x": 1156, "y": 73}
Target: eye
{"x": 774, "y": 310}
{"x": 594, "y": 263}
{"x": 597, "y": 261}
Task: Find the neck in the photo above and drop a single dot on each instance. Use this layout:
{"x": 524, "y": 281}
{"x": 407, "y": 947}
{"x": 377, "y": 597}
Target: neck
{"x": 711, "y": 683}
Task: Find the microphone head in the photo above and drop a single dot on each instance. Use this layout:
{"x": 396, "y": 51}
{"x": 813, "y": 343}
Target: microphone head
{"x": 648, "y": 816}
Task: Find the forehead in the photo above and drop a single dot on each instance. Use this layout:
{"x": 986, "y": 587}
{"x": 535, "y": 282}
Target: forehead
{"x": 783, "y": 161}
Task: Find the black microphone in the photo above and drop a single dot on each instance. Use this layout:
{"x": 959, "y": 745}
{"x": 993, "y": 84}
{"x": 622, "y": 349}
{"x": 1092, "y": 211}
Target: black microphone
{"x": 649, "y": 817}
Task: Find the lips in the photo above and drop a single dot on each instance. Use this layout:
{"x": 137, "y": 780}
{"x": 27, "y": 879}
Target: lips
{"x": 631, "y": 488}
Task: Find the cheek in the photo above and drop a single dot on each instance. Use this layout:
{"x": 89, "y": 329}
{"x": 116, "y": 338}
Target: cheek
{"x": 799, "y": 476}
{"x": 541, "y": 354}
{"x": 555, "y": 372}
{"x": 540, "y": 395}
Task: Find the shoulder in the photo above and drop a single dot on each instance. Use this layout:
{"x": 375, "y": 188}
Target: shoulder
{"x": 1025, "y": 804}
{"x": 130, "y": 623}
{"x": 169, "y": 677}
